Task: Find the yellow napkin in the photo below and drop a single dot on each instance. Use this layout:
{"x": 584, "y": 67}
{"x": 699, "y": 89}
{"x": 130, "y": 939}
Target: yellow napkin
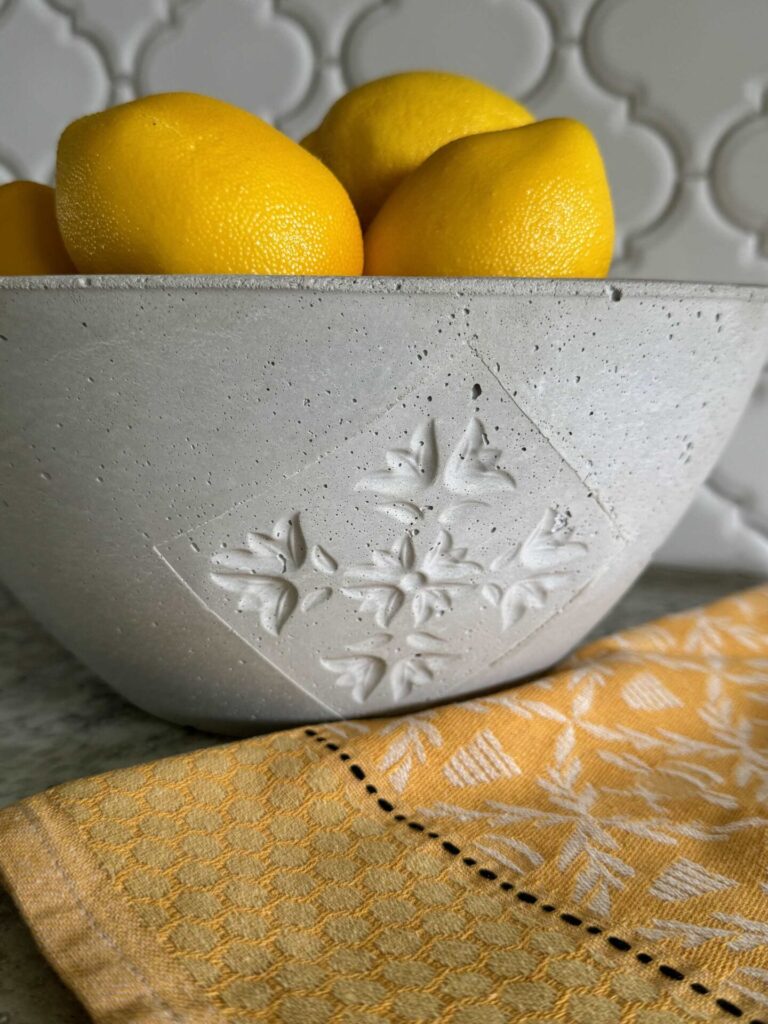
{"x": 588, "y": 848}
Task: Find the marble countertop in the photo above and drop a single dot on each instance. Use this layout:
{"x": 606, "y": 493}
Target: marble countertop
{"x": 58, "y": 722}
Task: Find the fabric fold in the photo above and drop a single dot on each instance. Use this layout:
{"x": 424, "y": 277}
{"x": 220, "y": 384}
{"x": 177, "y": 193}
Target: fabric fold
{"x": 586, "y": 847}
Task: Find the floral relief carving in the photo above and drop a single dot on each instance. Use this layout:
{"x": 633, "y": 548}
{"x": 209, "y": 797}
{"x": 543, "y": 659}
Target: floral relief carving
{"x": 420, "y": 578}
{"x": 397, "y": 577}
{"x": 546, "y": 551}
{"x": 408, "y": 470}
{"x": 368, "y": 663}
{"x": 259, "y": 573}
{"x": 472, "y": 467}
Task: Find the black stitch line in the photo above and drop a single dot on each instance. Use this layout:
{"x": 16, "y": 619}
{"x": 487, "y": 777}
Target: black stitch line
{"x": 614, "y": 941}
{"x": 729, "y": 1007}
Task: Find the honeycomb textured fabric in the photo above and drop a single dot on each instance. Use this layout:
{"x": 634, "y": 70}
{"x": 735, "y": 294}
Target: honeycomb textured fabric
{"x": 587, "y": 848}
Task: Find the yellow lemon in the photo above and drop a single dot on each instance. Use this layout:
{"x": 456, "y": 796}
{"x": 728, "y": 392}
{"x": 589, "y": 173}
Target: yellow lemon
{"x": 530, "y": 202}
{"x": 178, "y": 183}
{"x": 381, "y": 131}
{"x": 30, "y": 242}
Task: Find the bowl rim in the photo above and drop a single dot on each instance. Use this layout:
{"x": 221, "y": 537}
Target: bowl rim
{"x": 458, "y": 287}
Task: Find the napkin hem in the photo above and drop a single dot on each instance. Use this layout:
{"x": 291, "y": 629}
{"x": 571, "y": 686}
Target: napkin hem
{"x": 94, "y": 951}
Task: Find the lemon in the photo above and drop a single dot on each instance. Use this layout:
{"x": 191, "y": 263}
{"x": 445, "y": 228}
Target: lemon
{"x": 178, "y": 183}
{"x": 530, "y": 202}
{"x": 379, "y": 132}
{"x": 30, "y": 242}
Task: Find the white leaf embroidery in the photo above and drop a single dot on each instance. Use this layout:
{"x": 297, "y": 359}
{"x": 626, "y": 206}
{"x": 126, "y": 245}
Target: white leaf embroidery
{"x": 565, "y": 744}
{"x": 407, "y": 747}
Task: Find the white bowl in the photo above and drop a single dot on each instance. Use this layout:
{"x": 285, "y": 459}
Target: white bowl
{"x": 259, "y": 501}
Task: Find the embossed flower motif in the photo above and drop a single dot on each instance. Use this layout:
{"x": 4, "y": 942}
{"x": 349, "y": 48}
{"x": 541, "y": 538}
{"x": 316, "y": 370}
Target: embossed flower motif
{"x": 396, "y": 576}
{"x": 471, "y": 472}
{"x": 544, "y": 554}
{"x": 367, "y": 663}
{"x": 257, "y": 573}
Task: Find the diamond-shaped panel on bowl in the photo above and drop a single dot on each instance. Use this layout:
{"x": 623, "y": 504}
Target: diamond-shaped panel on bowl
{"x": 457, "y": 529}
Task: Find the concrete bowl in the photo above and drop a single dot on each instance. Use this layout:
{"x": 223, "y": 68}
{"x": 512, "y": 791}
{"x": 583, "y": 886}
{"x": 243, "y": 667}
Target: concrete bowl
{"x": 249, "y": 502}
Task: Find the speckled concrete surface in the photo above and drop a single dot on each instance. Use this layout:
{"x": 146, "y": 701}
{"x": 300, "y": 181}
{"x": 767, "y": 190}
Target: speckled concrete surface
{"x": 231, "y": 532}
{"x": 57, "y": 722}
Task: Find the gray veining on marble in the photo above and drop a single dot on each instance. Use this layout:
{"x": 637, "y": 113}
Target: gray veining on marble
{"x": 58, "y": 722}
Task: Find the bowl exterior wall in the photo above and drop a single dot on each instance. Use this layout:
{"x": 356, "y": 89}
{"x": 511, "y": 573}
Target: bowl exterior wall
{"x": 247, "y": 507}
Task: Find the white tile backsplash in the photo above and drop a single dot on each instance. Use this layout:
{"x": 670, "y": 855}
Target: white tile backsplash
{"x": 675, "y": 90}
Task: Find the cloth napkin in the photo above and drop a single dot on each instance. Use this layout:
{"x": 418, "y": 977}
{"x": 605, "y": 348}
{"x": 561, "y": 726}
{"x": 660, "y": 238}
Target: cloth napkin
{"x": 588, "y": 848}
